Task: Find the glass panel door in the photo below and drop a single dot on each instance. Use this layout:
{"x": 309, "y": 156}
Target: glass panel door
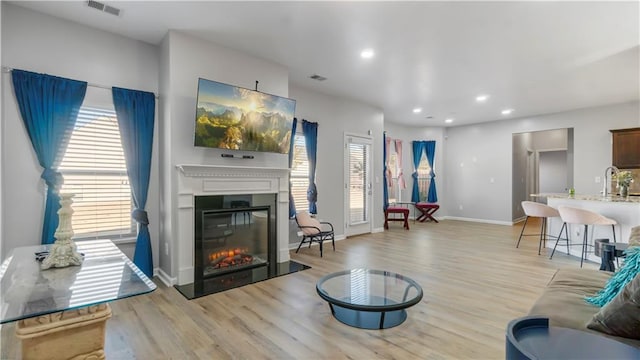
{"x": 358, "y": 184}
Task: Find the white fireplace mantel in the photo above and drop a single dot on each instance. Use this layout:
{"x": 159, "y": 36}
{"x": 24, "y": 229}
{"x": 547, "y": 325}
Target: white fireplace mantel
{"x": 203, "y": 180}
{"x": 230, "y": 171}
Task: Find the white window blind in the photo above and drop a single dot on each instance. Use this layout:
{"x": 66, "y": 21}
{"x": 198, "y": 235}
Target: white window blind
{"x": 358, "y": 183}
{"x": 94, "y": 169}
{"x": 300, "y": 174}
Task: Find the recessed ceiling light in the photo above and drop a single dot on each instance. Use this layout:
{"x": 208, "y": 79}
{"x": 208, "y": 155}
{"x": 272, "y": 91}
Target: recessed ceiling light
{"x": 448, "y": 121}
{"x": 417, "y": 110}
{"x": 367, "y": 53}
{"x": 482, "y": 98}
{"x": 507, "y": 111}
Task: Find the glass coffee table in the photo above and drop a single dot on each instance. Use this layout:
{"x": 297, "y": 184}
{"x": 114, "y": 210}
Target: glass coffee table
{"x": 61, "y": 313}
{"x": 369, "y": 299}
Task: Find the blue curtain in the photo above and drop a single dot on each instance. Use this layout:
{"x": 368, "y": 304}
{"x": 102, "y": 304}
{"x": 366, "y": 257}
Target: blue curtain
{"x": 418, "y": 147}
{"x": 310, "y": 131}
{"x": 430, "y": 148}
{"x": 49, "y": 108}
{"x": 385, "y": 188}
{"x": 136, "y": 113}
{"x": 292, "y": 205}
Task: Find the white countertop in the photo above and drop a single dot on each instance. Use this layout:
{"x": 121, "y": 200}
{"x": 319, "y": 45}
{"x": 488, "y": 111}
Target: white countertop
{"x": 614, "y": 198}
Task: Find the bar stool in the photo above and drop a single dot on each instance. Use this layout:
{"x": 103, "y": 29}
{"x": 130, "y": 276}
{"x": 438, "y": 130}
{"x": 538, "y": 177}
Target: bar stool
{"x": 571, "y": 215}
{"x": 534, "y": 209}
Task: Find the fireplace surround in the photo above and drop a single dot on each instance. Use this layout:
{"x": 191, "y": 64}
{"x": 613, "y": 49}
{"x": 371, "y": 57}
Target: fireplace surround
{"x": 236, "y": 190}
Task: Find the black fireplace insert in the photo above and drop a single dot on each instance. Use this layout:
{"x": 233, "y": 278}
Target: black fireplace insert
{"x": 235, "y": 243}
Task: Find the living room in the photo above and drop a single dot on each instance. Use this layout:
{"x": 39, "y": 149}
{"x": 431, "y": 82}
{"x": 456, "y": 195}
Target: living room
{"x": 474, "y": 182}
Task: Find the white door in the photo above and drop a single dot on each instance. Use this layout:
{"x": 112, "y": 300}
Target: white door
{"x": 357, "y": 161}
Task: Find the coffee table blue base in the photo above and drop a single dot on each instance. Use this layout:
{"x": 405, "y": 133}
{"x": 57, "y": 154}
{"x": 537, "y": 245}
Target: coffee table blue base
{"x": 373, "y": 320}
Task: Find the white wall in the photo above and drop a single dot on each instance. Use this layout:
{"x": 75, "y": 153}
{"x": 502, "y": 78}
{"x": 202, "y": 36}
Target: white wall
{"x": 335, "y": 116}
{"x": 45, "y": 44}
{"x": 475, "y": 154}
{"x": 184, "y": 59}
{"x": 2, "y": 113}
{"x": 553, "y": 171}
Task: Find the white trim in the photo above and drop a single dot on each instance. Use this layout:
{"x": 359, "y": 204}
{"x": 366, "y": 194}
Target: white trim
{"x": 495, "y": 222}
{"x": 377, "y": 230}
{"x": 204, "y": 180}
{"x": 226, "y": 171}
{"x": 164, "y": 277}
{"x": 515, "y": 221}
{"x": 367, "y": 140}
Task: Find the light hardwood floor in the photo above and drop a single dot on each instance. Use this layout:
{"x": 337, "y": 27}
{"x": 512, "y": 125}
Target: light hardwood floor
{"x": 474, "y": 279}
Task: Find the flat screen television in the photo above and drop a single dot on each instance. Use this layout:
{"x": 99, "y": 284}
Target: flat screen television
{"x": 235, "y": 118}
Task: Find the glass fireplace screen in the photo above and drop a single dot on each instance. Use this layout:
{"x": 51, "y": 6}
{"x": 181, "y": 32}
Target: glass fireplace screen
{"x": 234, "y": 239}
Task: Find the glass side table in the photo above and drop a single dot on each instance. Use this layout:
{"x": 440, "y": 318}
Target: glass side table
{"x": 369, "y": 299}
{"x": 62, "y": 313}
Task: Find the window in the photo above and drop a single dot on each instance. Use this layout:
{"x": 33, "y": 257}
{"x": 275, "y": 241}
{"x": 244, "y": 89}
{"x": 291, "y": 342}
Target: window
{"x": 423, "y": 177}
{"x": 300, "y": 173}
{"x": 392, "y": 183}
{"x": 93, "y": 168}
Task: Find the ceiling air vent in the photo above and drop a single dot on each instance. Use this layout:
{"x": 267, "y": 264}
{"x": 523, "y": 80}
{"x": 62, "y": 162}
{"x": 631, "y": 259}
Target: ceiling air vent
{"x": 104, "y": 8}
{"x": 318, "y": 77}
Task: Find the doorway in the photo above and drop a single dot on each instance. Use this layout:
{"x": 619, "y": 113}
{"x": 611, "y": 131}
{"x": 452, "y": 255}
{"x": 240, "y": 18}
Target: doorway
{"x": 357, "y": 163}
{"x": 542, "y": 163}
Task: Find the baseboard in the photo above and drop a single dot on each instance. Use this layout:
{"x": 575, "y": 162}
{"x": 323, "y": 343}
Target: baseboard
{"x": 485, "y": 221}
{"x": 164, "y": 277}
{"x": 377, "y": 230}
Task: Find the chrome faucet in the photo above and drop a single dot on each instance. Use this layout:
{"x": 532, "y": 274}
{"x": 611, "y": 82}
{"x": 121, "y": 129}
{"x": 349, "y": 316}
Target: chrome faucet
{"x": 605, "y": 188}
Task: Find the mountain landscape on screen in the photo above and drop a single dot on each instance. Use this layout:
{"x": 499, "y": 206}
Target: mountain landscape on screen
{"x": 235, "y": 118}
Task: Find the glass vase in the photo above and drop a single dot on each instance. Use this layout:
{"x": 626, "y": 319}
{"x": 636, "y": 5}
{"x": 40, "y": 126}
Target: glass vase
{"x": 624, "y": 191}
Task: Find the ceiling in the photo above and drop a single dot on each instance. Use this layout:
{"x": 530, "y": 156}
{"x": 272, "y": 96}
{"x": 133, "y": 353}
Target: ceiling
{"x": 533, "y": 57}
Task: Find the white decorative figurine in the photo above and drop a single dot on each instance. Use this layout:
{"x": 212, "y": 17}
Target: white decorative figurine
{"x": 63, "y": 252}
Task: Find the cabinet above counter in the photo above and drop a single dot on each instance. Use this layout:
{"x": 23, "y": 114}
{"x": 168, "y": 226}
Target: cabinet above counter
{"x": 626, "y": 148}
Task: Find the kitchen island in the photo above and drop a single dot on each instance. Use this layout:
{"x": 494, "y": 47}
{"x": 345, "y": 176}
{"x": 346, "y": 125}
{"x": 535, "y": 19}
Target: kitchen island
{"x": 626, "y": 211}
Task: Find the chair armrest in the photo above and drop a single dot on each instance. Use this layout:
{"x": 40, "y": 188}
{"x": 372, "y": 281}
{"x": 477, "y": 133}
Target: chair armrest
{"x": 327, "y": 223}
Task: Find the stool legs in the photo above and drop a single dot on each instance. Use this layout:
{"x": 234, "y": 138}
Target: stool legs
{"x": 613, "y": 229}
{"x": 584, "y": 245}
{"x": 404, "y": 219}
{"x": 521, "y": 232}
{"x": 543, "y": 234}
{"x": 564, "y": 227}
{"x": 583, "y": 254}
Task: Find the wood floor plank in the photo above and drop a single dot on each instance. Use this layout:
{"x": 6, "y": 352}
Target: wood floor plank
{"x": 474, "y": 280}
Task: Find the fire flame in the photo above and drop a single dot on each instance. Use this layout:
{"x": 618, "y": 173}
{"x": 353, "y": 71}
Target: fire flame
{"x": 227, "y": 253}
